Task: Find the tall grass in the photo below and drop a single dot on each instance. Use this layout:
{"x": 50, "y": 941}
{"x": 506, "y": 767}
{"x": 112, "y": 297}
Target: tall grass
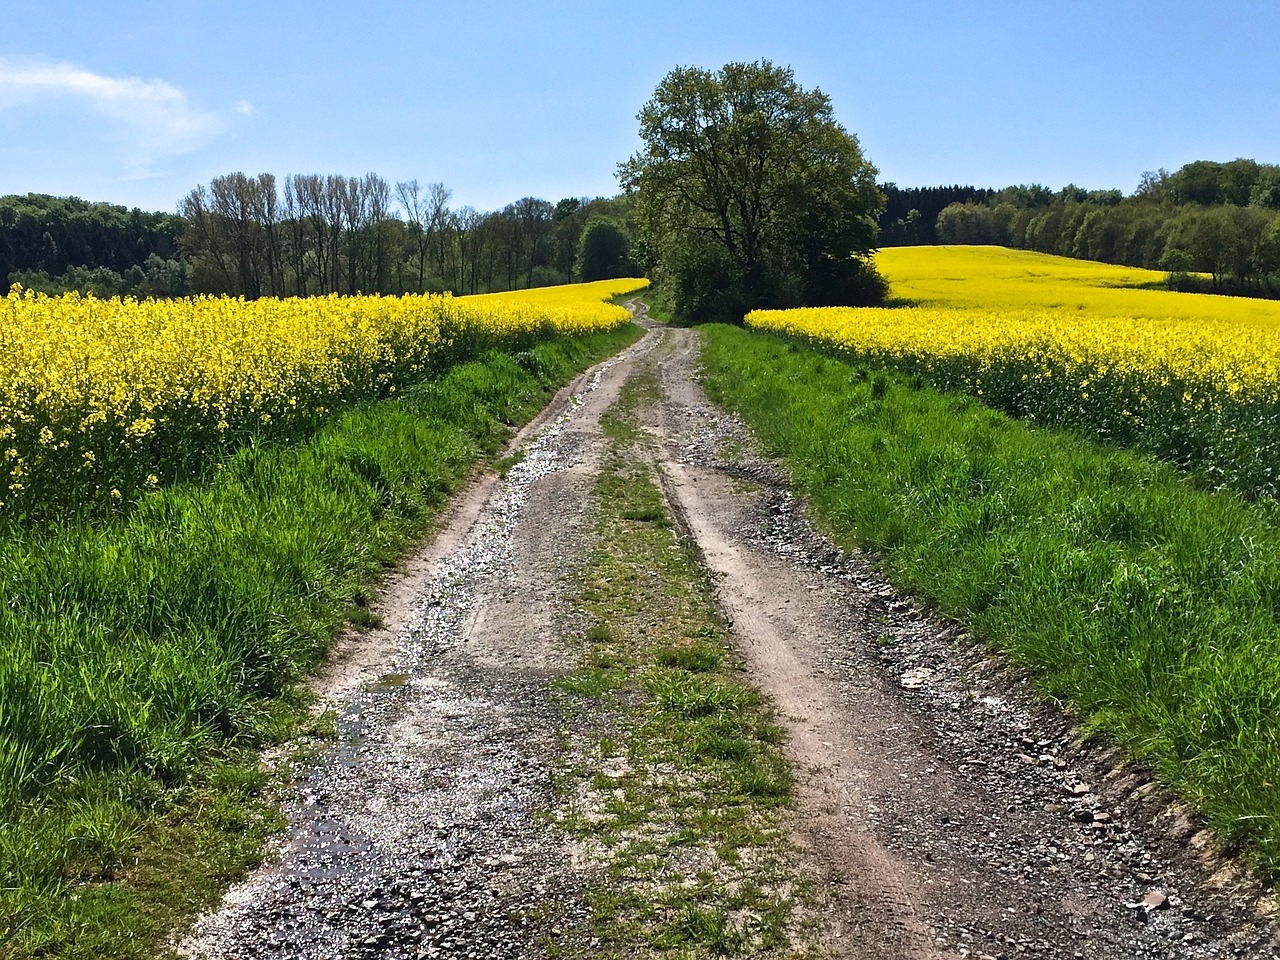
{"x": 1151, "y": 608}
{"x": 137, "y": 654}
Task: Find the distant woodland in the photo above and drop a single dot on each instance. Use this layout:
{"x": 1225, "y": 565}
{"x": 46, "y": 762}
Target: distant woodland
{"x": 1209, "y": 226}
{"x": 310, "y": 235}
{"x": 64, "y": 243}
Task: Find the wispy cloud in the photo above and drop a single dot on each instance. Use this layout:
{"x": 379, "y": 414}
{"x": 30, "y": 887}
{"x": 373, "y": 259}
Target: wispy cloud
{"x": 155, "y": 118}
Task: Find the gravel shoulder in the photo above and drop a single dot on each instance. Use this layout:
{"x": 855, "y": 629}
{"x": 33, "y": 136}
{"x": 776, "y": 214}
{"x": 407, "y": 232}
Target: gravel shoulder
{"x": 940, "y": 810}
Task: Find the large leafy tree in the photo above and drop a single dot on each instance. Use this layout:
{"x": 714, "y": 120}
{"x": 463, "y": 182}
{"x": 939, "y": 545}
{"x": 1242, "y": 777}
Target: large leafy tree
{"x": 750, "y": 194}
{"x": 602, "y": 252}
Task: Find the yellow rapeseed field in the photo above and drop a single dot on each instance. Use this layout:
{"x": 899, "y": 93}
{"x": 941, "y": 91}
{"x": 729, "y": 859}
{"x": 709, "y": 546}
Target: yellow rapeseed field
{"x": 110, "y": 395}
{"x": 1195, "y": 378}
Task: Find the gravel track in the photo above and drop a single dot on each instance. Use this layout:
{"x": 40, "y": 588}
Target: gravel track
{"x": 943, "y": 810}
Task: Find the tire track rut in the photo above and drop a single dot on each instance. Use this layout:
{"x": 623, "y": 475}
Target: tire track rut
{"x": 420, "y": 832}
{"x": 935, "y": 835}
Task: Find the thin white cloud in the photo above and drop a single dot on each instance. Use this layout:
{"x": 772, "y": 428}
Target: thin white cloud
{"x": 154, "y": 118}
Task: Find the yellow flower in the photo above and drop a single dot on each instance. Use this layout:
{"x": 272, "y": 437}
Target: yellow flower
{"x": 1006, "y": 322}
{"x": 140, "y": 427}
{"x": 92, "y": 375}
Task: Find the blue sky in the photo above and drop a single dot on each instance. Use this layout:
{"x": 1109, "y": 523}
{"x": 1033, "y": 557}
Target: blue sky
{"x": 137, "y": 103}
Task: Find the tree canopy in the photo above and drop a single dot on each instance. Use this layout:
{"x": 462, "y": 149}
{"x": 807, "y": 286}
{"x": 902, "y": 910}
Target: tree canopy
{"x": 750, "y": 194}
{"x": 1212, "y": 226}
{"x": 602, "y": 252}
{"x": 101, "y": 247}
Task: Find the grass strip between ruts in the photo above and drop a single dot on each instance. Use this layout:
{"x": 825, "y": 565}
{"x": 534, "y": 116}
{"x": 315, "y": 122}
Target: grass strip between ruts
{"x": 1147, "y": 607}
{"x": 143, "y": 662}
{"x": 680, "y": 788}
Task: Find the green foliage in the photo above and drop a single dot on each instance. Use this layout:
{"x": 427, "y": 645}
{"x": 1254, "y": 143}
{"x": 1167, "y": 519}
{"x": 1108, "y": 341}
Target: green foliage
{"x": 48, "y": 236}
{"x": 603, "y": 252}
{"x": 1208, "y": 183}
{"x": 1266, "y": 189}
{"x": 1145, "y": 604}
{"x": 972, "y": 223}
{"x": 1033, "y": 195}
{"x": 747, "y": 187}
{"x": 704, "y": 284}
{"x": 911, "y": 213}
{"x": 155, "y": 278}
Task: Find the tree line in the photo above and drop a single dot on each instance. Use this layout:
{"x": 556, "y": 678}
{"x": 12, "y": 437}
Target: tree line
{"x": 1208, "y": 225}
{"x": 911, "y": 213}
{"x": 62, "y": 243}
{"x": 1210, "y": 220}
{"x": 311, "y": 234}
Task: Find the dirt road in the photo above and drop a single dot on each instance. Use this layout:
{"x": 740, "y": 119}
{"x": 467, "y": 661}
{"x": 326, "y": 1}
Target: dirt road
{"x": 940, "y": 810}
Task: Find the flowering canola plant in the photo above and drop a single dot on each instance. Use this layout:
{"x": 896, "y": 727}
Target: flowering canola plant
{"x": 100, "y": 399}
{"x": 1193, "y": 378}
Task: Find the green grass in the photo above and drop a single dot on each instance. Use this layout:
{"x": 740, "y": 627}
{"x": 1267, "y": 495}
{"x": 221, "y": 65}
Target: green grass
{"x": 1147, "y": 607}
{"x": 143, "y": 661}
{"x": 681, "y": 785}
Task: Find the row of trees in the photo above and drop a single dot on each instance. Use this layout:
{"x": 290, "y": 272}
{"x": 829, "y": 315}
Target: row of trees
{"x": 1221, "y": 220}
{"x": 911, "y": 213}
{"x": 311, "y": 234}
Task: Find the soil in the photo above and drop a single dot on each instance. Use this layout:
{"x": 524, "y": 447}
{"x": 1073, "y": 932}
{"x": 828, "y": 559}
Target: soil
{"x": 942, "y": 809}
